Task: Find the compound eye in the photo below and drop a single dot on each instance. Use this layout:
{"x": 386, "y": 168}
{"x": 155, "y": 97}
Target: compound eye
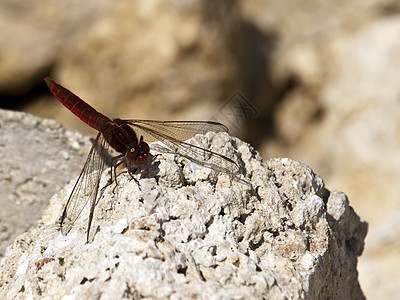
{"x": 142, "y": 153}
{"x": 138, "y": 154}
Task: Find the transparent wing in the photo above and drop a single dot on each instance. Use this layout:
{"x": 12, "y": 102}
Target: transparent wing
{"x": 86, "y": 187}
{"x": 173, "y": 133}
{"x": 153, "y": 130}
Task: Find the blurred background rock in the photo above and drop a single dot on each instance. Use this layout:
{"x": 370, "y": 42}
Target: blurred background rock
{"x": 318, "y": 81}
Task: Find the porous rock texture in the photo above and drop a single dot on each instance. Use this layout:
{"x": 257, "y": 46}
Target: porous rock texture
{"x": 37, "y": 158}
{"x": 185, "y": 231}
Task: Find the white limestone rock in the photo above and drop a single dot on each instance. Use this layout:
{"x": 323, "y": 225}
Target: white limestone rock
{"x": 273, "y": 232}
{"x": 38, "y": 157}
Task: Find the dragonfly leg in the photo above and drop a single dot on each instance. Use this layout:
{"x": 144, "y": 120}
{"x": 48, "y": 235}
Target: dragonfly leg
{"x": 155, "y": 155}
{"x": 130, "y": 173}
{"x": 114, "y": 166}
{"x": 115, "y": 174}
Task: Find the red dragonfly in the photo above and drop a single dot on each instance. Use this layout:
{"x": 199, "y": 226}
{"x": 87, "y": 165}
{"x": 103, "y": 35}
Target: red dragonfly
{"x": 122, "y": 136}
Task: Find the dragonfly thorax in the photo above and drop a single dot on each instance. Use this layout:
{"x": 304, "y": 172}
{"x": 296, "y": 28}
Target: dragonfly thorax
{"x": 119, "y": 135}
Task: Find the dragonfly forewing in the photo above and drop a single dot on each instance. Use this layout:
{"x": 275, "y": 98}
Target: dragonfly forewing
{"x": 153, "y": 130}
{"x": 173, "y": 133}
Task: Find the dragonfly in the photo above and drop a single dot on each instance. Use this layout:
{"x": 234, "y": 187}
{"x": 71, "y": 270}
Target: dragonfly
{"x": 128, "y": 137}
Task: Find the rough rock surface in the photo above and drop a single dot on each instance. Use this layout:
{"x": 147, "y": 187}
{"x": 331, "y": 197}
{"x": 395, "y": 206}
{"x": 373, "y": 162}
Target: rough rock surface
{"x": 274, "y": 231}
{"x": 325, "y": 81}
{"x": 38, "y": 157}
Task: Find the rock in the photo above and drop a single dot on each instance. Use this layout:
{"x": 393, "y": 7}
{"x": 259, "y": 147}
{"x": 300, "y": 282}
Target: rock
{"x": 324, "y": 81}
{"x": 120, "y": 60}
{"x": 45, "y": 29}
{"x": 339, "y": 114}
{"x": 186, "y": 231}
{"x": 38, "y": 157}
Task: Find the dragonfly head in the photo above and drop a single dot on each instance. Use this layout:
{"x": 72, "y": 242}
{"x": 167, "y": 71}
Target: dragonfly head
{"x": 139, "y": 153}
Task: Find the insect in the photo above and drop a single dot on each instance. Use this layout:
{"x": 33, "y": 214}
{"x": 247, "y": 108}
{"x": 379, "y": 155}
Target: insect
{"x": 122, "y": 135}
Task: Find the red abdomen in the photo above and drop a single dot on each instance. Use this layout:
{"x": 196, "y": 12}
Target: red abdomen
{"x": 79, "y": 107}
